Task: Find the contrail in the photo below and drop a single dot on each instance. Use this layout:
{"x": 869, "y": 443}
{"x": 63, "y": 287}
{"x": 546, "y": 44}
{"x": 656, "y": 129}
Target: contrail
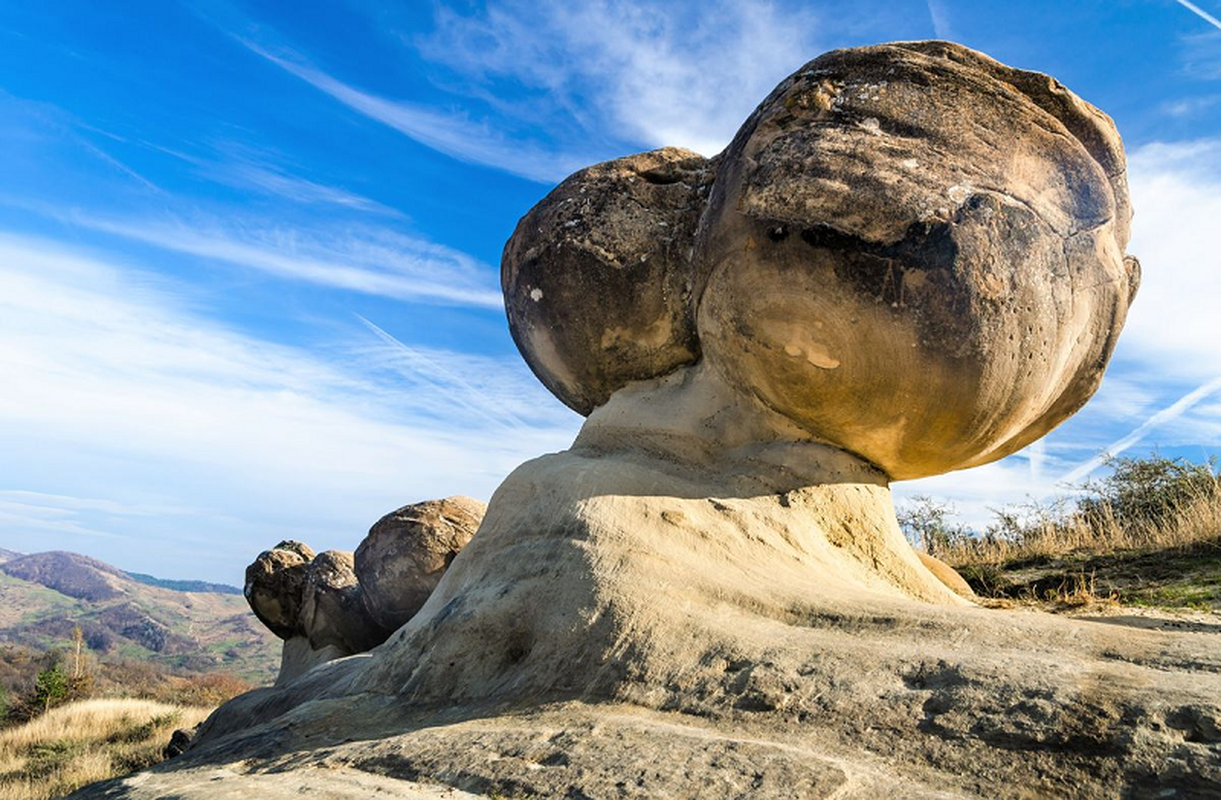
{"x": 1037, "y": 457}
{"x": 467, "y": 391}
{"x": 941, "y": 19}
{"x": 1201, "y": 13}
{"x": 1167, "y": 414}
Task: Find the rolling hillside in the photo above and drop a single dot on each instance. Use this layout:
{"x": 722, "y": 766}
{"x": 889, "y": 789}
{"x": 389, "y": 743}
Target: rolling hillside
{"x": 42, "y": 596}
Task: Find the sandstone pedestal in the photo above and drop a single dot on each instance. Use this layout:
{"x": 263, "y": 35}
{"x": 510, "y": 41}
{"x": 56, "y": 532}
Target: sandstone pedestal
{"x": 909, "y": 260}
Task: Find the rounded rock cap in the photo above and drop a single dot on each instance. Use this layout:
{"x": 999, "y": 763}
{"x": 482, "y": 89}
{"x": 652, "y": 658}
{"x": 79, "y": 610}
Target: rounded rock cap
{"x": 916, "y": 253}
{"x": 596, "y": 276}
{"x": 911, "y": 251}
{"x": 407, "y": 552}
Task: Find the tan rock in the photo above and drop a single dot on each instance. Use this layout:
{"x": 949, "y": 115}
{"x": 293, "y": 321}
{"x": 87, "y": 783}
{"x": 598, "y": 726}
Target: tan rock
{"x": 333, "y": 612}
{"x": 407, "y": 551}
{"x": 708, "y": 594}
{"x": 947, "y": 575}
{"x": 597, "y": 278}
{"x": 275, "y": 587}
{"x": 929, "y": 288}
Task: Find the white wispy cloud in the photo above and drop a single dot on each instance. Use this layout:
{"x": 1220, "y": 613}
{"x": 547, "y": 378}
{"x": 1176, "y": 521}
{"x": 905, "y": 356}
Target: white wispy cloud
{"x": 237, "y": 167}
{"x": 1190, "y": 106}
{"x": 1172, "y": 326}
{"x": 120, "y": 399}
{"x": 39, "y": 119}
{"x": 680, "y": 73}
{"x": 1163, "y": 416}
{"x": 416, "y": 363}
{"x": 355, "y": 258}
{"x": 455, "y": 134}
{"x": 269, "y": 180}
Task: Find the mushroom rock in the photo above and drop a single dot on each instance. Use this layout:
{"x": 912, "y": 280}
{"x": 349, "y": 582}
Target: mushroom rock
{"x": 407, "y": 551}
{"x": 909, "y": 260}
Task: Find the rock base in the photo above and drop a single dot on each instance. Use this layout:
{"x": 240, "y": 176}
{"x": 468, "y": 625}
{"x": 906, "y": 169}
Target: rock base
{"x": 675, "y": 634}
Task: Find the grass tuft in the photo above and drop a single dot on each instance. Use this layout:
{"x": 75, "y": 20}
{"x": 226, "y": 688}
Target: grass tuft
{"x": 1147, "y": 535}
{"x": 84, "y": 742}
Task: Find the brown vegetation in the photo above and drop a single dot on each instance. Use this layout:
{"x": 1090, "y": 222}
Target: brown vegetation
{"x": 68, "y": 719}
{"x": 1147, "y": 534}
{"x": 87, "y": 741}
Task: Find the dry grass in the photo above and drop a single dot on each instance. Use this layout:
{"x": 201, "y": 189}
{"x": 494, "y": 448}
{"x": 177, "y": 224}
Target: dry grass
{"x": 85, "y": 742}
{"x": 1147, "y": 534}
{"x": 1196, "y": 523}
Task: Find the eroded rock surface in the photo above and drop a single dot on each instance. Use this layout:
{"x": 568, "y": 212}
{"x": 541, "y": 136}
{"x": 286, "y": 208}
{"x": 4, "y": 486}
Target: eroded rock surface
{"x": 333, "y": 613}
{"x": 335, "y": 604}
{"x": 407, "y": 551}
{"x": 909, "y": 260}
{"x": 275, "y": 587}
{"x": 597, "y": 276}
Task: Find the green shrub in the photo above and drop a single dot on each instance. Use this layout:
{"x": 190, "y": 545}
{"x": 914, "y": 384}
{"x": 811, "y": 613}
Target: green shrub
{"x": 51, "y": 687}
{"x": 1148, "y": 490}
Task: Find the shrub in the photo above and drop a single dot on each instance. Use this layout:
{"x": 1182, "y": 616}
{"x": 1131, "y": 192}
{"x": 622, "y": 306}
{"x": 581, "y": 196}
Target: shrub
{"x": 211, "y": 689}
{"x": 50, "y": 687}
{"x": 1148, "y": 491}
{"x": 926, "y": 524}
{"x": 1144, "y": 504}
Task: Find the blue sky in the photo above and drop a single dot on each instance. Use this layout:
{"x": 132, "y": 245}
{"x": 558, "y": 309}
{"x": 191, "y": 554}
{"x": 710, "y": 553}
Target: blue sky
{"x": 249, "y": 251}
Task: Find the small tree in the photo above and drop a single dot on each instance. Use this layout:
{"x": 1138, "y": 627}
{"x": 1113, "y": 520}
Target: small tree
{"x": 80, "y": 672}
{"x": 4, "y": 705}
{"x": 1148, "y": 490}
{"x": 51, "y": 687}
{"x": 927, "y": 524}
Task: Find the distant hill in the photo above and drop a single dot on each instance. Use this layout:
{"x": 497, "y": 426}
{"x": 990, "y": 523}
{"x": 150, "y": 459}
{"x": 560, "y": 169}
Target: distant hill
{"x": 44, "y": 595}
{"x": 184, "y": 586}
{"x": 68, "y": 573}
{"x": 9, "y": 555}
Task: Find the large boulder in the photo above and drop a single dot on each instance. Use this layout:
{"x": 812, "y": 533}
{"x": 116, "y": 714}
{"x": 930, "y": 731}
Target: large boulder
{"x": 930, "y": 289}
{"x": 927, "y": 288}
{"x": 407, "y": 551}
{"x": 597, "y": 276}
{"x": 275, "y": 587}
{"x": 333, "y": 612}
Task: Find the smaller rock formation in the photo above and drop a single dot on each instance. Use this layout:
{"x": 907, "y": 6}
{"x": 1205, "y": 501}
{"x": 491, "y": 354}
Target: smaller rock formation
{"x": 335, "y": 604}
{"x": 333, "y": 612}
{"x": 179, "y": 742}
{"x": 947, "y": 575}
{"x": 405, "y": 554}
{"x": 275, "y": 586}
